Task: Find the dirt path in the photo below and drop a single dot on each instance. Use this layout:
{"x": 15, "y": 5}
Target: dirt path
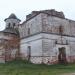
{"x": 69, "y": 74}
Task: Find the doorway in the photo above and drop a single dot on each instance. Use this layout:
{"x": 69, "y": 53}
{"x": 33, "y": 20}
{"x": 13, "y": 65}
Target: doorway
{"x": 62, "y": 55}
{"x": 29, "y": 53}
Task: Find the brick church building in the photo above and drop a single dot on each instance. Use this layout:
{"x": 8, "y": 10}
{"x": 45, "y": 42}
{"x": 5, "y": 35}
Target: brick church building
{"x": 44, "y": 37}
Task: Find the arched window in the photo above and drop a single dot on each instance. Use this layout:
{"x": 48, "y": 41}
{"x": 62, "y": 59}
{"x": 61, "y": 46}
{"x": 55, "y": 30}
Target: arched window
{"x": 13, "y": 25}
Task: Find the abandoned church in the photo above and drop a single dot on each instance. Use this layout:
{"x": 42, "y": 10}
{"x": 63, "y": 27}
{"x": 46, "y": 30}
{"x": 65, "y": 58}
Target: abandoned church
{"x": 44, "y": 37}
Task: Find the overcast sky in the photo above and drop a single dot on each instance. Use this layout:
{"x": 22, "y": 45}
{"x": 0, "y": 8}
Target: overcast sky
{"x": 23, "y": 7}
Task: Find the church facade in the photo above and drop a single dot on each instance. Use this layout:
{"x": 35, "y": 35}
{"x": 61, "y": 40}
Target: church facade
{"x": 45, "y": 37}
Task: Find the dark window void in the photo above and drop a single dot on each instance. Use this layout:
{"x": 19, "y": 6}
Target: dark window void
{"x": 9, "y": 25}
{"x": 29, "y": 52}
{"x": 13, "y": 25}
{"x": 61, "y": 29}
{"x": 29, "y": 31}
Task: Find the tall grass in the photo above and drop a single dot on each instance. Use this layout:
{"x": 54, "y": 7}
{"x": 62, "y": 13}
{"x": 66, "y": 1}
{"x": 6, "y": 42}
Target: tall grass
{"x": 20, "y": 67}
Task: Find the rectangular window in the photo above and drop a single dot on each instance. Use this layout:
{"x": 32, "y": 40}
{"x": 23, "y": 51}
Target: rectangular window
{"x": 61, "y": 29}
{"x": 13, "y": 25}
{"x": 9, "y": 25}
{"x": 28, "y": 31}
{"x": 29, "y": 52}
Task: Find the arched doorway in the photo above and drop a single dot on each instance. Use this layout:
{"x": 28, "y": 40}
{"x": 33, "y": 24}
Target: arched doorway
{"x": 62, "y": 55}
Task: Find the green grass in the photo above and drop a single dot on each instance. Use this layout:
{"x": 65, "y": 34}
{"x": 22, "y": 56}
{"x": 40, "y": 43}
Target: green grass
{"x": 24, "y": 68}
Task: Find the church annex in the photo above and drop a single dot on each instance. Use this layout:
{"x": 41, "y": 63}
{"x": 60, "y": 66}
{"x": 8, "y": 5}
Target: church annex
{"x": 44, "y": 37}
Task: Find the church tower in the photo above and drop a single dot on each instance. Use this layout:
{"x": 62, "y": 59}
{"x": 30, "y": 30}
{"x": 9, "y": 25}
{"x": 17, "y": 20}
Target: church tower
{"x": 11, "y": 37}
{"x": 12, "y": 24}
{"x": 12, "y": 21}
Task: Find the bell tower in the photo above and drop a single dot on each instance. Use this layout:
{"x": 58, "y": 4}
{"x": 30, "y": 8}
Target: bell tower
{"x": 12, "y": 21}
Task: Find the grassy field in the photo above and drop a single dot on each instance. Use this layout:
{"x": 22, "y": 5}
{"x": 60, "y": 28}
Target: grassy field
{"x": 24, "y": 68}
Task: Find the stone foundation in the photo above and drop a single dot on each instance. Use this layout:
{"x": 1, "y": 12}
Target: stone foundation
{"x": 44, "y": 60}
